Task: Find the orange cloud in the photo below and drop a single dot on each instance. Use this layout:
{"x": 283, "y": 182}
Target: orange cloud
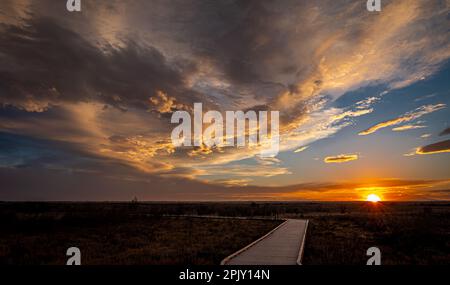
{"x": 164, "y": 103}
{"x": 417, "y": 113}
{"x": 390, "y": 189}
{"x": 340, "y": 158}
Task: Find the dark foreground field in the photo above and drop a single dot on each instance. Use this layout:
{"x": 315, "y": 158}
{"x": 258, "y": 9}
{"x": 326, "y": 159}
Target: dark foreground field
{"x": 151, "y": 233}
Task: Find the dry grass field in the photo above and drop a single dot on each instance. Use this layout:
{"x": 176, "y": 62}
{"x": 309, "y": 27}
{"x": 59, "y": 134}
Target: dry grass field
{"x": 108, "y": 238}
{"x": 406, "y": 234}
{"x": 144, "y": 233}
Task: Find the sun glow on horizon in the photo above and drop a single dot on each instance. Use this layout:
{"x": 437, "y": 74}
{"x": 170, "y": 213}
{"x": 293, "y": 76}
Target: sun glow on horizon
{"x": 373, "y": 198}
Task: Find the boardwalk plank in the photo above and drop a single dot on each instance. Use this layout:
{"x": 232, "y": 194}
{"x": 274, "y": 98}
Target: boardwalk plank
{"x": 280, "y": 247}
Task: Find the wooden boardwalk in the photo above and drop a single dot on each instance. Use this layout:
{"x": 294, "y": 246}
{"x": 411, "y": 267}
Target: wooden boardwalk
{"x": 282, "y": 246}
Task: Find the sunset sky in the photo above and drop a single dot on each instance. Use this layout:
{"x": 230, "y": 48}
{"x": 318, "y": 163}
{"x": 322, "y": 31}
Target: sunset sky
{"x": 86, "y": 99}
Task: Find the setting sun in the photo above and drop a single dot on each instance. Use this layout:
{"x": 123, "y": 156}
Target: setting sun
{"x": 373, "y": 198}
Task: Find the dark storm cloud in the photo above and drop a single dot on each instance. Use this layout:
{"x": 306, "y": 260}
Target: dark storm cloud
{"x": 445, "y": 132}
{"x": 253, "y": 41}
{"x": 44, "y": 63}
{"x": 442, "y": 146}
{"x": 18, "y": 151}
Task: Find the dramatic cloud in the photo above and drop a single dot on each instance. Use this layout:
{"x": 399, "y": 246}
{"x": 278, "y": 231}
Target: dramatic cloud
{"x": 439, "y": 147}
{"x": 340, "y": 158}
{"x": 105, "y": 81}
{"x": 410, "y": 116}
{"x": 46, "y": 64}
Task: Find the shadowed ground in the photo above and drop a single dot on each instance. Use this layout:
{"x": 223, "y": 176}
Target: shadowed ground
{"x": 138, "y": 233}
{"x": 44, "y": 238}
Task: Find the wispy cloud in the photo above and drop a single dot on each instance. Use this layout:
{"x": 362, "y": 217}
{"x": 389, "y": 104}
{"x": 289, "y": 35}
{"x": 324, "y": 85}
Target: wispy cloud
{"x": 408, "y": 127}
{"x": 233, "y": 182}
{"x": 368, "y": 102}
{"x": 411, "y": 153}
{"x": 352, "y": 113}
{"x": 410, "y": 116}
{"x": 300, "y": 149}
